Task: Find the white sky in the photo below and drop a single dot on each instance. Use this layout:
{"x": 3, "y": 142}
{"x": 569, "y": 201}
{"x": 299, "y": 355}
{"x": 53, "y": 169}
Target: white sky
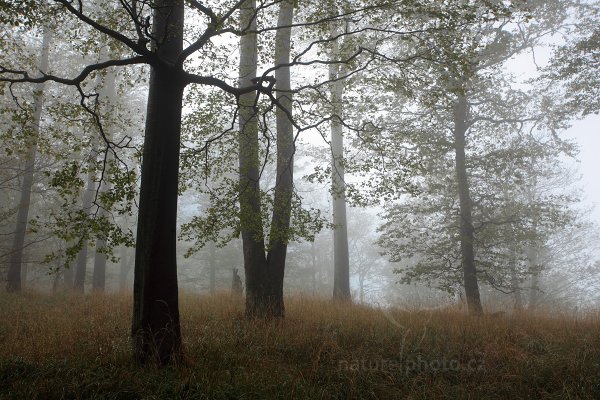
{"x": 587, "y": 133}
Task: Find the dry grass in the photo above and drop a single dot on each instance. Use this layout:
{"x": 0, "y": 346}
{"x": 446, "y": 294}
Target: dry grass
{"x": 69, "y": 346}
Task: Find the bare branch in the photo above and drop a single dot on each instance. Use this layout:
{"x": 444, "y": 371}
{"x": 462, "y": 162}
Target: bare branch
{"x": 138, "y": 47}
{"x": 26, "y": 78}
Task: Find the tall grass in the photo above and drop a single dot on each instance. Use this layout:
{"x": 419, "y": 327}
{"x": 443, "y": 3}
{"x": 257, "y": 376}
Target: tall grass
{"x": 67, "y": 346}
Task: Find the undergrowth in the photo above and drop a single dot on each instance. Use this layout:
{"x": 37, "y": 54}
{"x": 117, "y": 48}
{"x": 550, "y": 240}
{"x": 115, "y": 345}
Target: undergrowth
{"x": 78, "y": 347}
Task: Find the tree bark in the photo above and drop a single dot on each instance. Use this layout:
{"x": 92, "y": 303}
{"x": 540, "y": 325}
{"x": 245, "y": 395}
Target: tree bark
{"x": 341, "y": 258}
{"x": 156, "y": 328}
{"x": 265, "y": 273}
{"x": 280, "y": 221}
{"x": 124, "y": 267}
{"x": 99, "y": 274}
{"x": 68, "y": 277}
{"x": 313, "y": 256}
{"x": 361, "y": 283}
{"x": 515, "y": 284}
{"x": 212, "y": 265}
{"x": 534, "y": 272}
{"x": 108, "y": 97}
{"x": 467, "y": 232}
{"x": 14, "y": 281}
{"x": 255, "y": 261}
{"x": 82, "y": 256}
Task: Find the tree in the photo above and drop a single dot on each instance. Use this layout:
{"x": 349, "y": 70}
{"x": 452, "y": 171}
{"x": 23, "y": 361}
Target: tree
{"x": 282, "y": 206}
{"x": 14, "y": 283}
{"x": 108, "y": 96}
{"x": 255, "y": 263}
{"x": 464, "y": 92}
{"x": 265, "y": 272}
{"x": 155, "y": 328}
{"x": 152, "y": 33}
{"x": 467, "y": 230}
{"x": 571, "y": 79}
{"x": 341, "y": 258}
{"x": 155, "y": 325}
{"x": 86, "y": 208}
{"x": 521, "y": 199}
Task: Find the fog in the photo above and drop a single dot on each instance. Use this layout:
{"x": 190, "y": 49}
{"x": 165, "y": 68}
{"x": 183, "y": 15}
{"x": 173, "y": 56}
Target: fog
{"x": 587, "y": 135}
{"x": 345, "y": 199}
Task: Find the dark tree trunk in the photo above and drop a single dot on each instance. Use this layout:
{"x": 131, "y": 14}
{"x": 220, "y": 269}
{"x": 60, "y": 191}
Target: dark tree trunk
{"x": 280, "y": 222}
{"x": 265, "y": 273}
{"x": 255, "y": 261}
{"x": 155, "y": 327}
{"x": 467, "y": 232}
{"x": 14, "y": 281}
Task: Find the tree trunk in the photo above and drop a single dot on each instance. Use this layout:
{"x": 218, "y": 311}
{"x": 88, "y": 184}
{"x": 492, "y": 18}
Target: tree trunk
{"x": 212, "y": 265}
{"x": 156, "y": 328}
{"x": 124, "y": 267}
{"x": 467, "y": 232}
{"x": 88, "y": 197}
{"x": 68, "y": 277}
{"x": 265, "y": 273}
{"x": 280, "y": 222}
{"x": 99, "y": 275}
{"x": 255, "y": 261}
{"x": 56, "y": 281}
{"x": 108, "y": 98}
{"x": 361, "y": 283}
{"x": 515, "y": 284}
{"x": 14, "y": 283}
{"x": 314, "y": 267}
{"x": 534, "y": 272}
{"x": 341, "y": 258}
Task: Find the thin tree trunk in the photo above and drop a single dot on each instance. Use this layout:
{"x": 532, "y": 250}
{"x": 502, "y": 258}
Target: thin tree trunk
{"x": 68, "y": 277}
{"x": 156, "y": 328}
{"x": 534, "y": 272}
{"x": 108, "y": 97}
{"x": 314, "y": 267}
{"x": 341, "y": 258}
{"x": 212, "y": 265}
{"x": 124, "y": 267}
{"x": 467, "y": 232}
{"x": 361, "y": 282}
{"x": 99, "y": 274}
{"x": 532, "y": 254}
{"x": 88, "y": 198}
{"x": 534, "y": 291}
{"x": 24, "y": 270}
{"x": 56, "y": 281}
{"x": 14, "y": 282}
{"x": 515, "y": 284}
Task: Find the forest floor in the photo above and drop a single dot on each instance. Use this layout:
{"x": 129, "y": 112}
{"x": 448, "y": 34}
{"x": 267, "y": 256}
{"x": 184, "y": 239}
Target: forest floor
{"x": 78, "y": 347}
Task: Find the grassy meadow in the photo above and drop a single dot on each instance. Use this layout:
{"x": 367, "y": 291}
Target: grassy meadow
{"x": 78, "y": 347}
